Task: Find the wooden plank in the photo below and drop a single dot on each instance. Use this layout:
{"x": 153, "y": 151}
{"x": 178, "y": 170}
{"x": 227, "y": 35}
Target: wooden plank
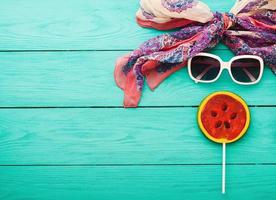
{"x": 119, "y": 136}
{"x": 82, "y": 24}
{"x": 86, "y": 79}
{"x": 152, "y": 182}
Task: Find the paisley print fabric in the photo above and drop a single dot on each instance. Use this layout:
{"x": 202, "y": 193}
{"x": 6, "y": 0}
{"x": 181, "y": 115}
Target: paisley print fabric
{"x": 178, "y": 5}
{"x": 249, "y": 28}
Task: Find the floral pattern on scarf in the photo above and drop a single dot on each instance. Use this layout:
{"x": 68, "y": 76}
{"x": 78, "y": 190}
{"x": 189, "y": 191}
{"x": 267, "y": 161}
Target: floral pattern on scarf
{"x": 178, "y": 5}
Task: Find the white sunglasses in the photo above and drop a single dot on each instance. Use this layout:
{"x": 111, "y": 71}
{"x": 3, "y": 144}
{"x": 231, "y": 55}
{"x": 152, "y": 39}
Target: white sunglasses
{"x": 244, "y": 70}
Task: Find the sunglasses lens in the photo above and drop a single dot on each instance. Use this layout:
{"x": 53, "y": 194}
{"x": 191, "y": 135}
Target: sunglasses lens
{"x": 204, "y": 68}
{"x": 246, "y": 70}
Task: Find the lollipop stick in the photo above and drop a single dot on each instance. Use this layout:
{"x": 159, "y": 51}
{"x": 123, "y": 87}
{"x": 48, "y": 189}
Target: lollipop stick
{"x": 223, "y": 166}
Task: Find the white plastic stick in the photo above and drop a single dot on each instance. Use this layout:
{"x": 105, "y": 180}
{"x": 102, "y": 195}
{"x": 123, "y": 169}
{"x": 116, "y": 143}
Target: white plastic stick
{"x": 223, "y": 166}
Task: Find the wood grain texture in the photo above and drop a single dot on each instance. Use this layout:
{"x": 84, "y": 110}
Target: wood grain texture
{"x": 112, "y": 153}
{"x": 119, "y": 136}
{"x": 136, "y": 183}
{"x": 86, "y": 79}
{"x": 71, "y": 24}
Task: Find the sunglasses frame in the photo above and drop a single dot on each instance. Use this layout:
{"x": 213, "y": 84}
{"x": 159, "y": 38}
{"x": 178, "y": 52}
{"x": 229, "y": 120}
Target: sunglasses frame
{"x": 227, "y": 66}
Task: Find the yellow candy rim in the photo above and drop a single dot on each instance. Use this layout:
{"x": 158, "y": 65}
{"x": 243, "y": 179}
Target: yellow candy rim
{"x": 238, "y": 98}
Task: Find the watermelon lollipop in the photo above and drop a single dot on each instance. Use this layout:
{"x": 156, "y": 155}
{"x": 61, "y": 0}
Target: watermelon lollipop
{"x": 223, "y": 117}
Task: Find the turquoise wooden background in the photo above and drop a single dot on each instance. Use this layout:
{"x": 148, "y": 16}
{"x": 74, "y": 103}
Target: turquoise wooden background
{"x": 65, "y": 135}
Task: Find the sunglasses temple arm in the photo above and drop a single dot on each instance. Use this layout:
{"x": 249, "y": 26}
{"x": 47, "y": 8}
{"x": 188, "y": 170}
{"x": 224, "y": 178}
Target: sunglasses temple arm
{"x": 203, "y": 73}
{"x": 252, "y": 78}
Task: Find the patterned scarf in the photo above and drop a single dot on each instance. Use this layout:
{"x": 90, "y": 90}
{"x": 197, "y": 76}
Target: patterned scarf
{"x": 249, "y": 28}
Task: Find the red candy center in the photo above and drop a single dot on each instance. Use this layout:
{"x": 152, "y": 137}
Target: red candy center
{"x": 223, "y": 117}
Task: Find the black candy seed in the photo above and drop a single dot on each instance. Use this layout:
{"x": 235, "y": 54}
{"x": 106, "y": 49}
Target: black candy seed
{"x": 224, "y": 107}
{"x": 214, "y": 113}
{"x": 226, "y": 125}
{"x": 233, "y": 116}
{"x": 218, "y": 124}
